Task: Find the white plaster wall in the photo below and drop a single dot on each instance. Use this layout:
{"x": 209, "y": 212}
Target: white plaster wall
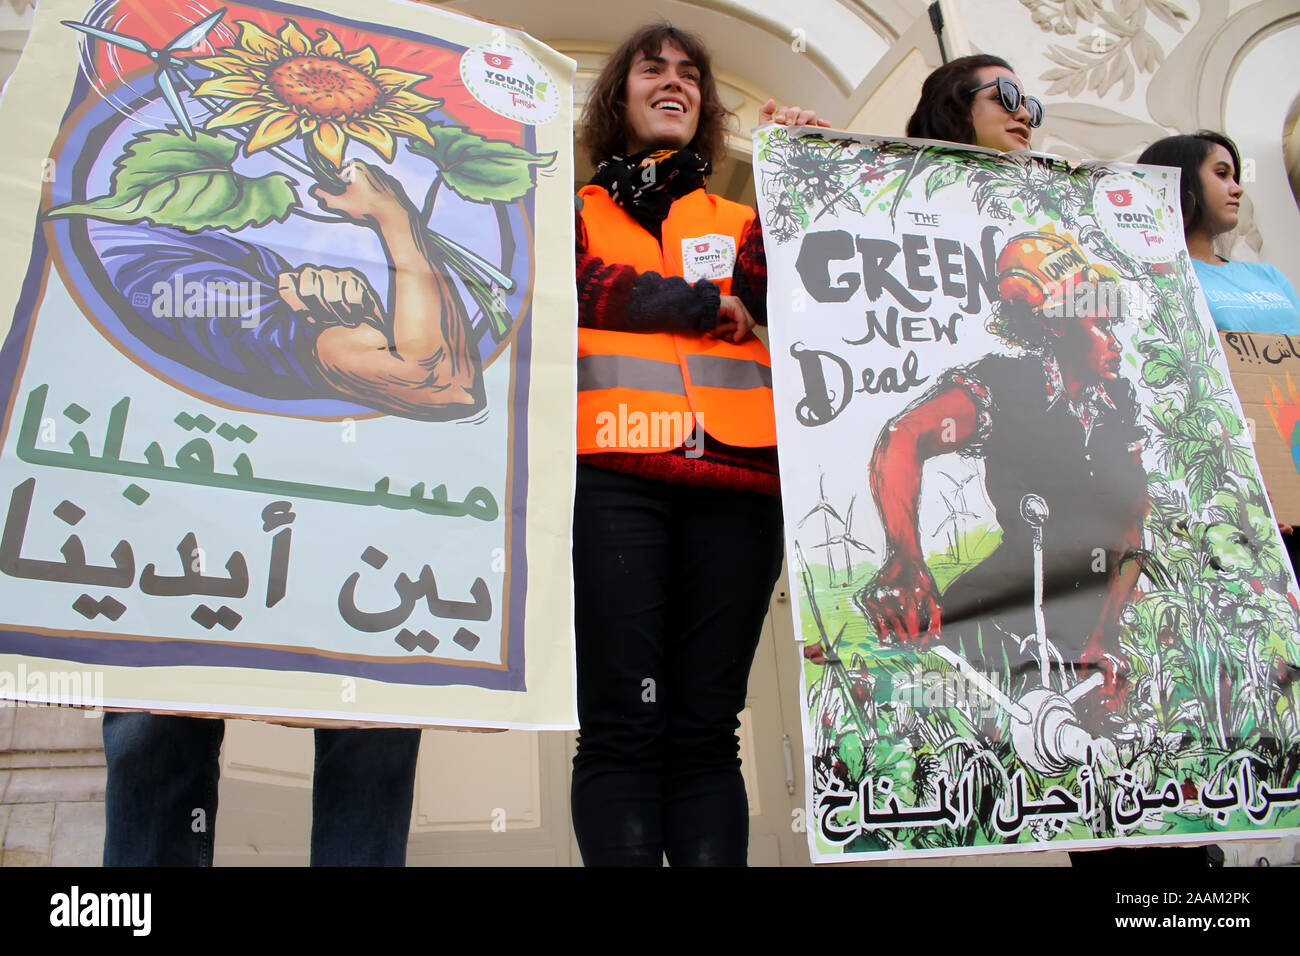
{"x": 1259, "y": 94}
{"x": 1006, "y": 28}
{"x": 848, "y": 43}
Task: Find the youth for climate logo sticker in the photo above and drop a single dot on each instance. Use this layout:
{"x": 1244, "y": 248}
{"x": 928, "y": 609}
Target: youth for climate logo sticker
{"x": 511, "y": 81}
{"x": 708, "y": 257}
{"x": 1134, "y": 218}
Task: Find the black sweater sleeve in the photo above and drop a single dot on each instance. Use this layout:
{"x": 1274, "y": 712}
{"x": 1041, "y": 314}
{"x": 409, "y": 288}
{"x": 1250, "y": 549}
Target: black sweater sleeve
{"x": 618, "y": 298}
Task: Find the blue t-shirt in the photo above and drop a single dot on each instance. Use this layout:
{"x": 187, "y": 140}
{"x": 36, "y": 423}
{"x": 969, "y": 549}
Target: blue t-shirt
{"x": 1249, "y": 297}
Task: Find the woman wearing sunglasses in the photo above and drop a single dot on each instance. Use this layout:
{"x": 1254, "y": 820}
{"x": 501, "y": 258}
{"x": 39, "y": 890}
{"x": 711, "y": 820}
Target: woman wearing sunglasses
{"x": 977, "y": 100}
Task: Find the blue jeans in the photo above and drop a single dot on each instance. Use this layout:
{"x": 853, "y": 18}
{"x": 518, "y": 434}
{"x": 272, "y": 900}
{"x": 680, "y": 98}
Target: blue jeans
{"x": 161, "y": 801}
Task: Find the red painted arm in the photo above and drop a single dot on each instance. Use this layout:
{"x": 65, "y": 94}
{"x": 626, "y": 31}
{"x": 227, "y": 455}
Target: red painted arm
{"x": 903, "y": 601}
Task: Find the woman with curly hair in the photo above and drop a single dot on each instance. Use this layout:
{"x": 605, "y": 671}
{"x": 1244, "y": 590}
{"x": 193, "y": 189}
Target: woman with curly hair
{"x": 677, "y": 519}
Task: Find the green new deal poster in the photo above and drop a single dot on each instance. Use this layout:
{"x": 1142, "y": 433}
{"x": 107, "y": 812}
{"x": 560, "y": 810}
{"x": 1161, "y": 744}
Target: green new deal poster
{"x": 1039, "y": 584}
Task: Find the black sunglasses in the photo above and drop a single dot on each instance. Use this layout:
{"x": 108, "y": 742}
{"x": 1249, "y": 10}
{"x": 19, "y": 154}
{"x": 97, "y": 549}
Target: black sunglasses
{"x": 1011, "y": 96}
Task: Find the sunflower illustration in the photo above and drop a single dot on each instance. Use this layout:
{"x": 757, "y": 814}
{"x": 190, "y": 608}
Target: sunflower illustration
{"x": 289, "y": 86}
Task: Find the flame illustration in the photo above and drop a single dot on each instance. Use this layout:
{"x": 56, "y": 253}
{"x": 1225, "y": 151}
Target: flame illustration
{"x": 1284, "y": 410}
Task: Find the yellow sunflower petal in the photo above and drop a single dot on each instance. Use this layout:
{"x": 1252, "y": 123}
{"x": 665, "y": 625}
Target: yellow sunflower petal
{"x": 274, "y": 129}
{"x": 404, "y": 123}
{"x": 328, "y": 44}
{"x": 293, "y": 37}
{"x": 256, "y": 40}
{"x": 406, "y": 101}
{"x": 223, "y": 64}
{"x": 363, "y": 59}
{"x": 245, "y": 56}
{"x": 242, "y": 113}
{"x": 251, "y": 56}
{"x": 394, "y": 80}
{"x": 373, "y": 134}
{"x": 329, "y": 141}
{"x": 230, "y": 86}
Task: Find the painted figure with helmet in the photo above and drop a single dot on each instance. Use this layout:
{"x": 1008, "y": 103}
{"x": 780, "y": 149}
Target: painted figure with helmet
{"x": 1058, "y": 421}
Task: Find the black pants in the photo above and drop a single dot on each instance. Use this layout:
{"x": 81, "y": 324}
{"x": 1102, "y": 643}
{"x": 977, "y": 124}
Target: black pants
{"x": 671, "y": 586}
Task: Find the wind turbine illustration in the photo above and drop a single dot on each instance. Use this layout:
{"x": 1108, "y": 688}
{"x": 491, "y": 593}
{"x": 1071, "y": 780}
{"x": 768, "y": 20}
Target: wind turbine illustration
{"x": 827, "y": 512}
{"x": 957, "y": 510}
{"x": 169, "y": 66}
{"x": 846, "y": 539}
{"x": 959, "y": 487}
{"x": 837, "y": 673}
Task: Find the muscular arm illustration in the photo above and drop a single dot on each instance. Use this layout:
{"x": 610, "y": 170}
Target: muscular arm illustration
{"x": 902, "y": 602}
{"x": 414, "y": 359}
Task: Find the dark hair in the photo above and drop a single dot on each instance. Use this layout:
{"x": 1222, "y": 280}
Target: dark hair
{"x": 1187, "y": 153}
{"x": 1020, "y": 325}
{"x": 603, "y": 127}
{"x": 943, "y": 111}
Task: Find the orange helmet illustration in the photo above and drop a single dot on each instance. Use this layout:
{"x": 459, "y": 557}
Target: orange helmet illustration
{"x": 1038, "y": 268}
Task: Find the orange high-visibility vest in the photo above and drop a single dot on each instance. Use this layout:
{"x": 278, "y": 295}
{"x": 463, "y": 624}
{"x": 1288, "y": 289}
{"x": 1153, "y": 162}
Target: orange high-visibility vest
{"x": 636, "y": 388}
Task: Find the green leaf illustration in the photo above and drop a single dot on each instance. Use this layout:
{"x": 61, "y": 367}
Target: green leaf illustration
{"x": 480, "y": 169}
{"x": 1163, "y": 366}
{"x": 942, "y": 177}
{"x": 168, "y": 179}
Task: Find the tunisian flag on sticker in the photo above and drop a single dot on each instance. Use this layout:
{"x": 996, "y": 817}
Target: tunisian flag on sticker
{"x": 497, "y": 60}
{"x": 1120, "y": 197}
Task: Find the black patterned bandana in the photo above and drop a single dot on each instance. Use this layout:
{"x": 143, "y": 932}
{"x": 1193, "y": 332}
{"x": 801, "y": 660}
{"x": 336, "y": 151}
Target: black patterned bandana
{"x": 648, "y": 183}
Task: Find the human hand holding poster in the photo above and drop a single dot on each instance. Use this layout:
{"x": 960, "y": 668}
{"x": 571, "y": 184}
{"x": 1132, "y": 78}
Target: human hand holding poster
{"x": 292, "y": 322}
{"x": 1027, "y": 531}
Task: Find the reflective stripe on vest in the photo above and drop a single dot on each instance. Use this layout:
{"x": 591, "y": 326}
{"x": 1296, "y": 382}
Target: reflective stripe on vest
{"x": 708, "y": 371}
{"x": 625, "y": 371}
{"x": 724, "y": 386}
{"x": 718, "y": 371}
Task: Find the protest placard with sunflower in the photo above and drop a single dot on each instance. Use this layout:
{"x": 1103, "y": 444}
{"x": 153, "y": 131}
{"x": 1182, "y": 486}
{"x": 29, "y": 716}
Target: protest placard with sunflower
{"x": 292, "y": 260}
